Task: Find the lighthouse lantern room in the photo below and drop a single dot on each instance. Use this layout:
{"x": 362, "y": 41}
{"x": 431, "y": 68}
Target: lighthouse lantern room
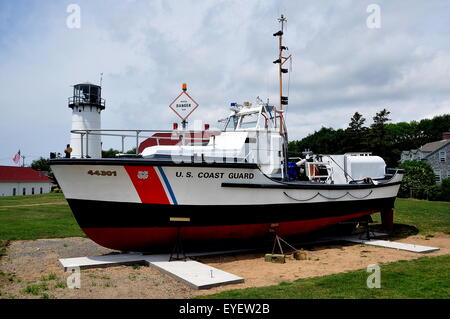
{"x": 86, "y": 104}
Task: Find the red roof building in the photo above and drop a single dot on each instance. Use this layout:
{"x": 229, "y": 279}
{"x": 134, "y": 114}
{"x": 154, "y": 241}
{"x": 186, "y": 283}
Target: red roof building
{"x": 16, "y": 180}
{"x": 21, "y": 174}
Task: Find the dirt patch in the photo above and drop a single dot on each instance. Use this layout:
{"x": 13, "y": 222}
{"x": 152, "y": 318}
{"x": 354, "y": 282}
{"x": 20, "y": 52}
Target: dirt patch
{"x": 31, "y": 269}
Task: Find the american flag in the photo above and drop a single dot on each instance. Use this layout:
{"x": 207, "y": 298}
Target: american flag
{"x": 16, "y": 158}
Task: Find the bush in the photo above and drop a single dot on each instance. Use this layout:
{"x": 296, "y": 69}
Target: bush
{"x": 435, "y": 192}
{"x": 440, "y": 192}
{"x": 445, "y": 186}
{"x": 418, "y": 176}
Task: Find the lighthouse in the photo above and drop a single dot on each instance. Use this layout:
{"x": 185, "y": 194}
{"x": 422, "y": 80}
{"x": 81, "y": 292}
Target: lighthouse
{"x": 87, "y": 105}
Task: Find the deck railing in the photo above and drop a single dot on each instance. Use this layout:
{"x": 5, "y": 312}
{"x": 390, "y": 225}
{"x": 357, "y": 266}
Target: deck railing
{"x": 181, "y": 136}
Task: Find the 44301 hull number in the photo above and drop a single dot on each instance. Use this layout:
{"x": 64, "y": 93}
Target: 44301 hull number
{"x": 102, "y": 173}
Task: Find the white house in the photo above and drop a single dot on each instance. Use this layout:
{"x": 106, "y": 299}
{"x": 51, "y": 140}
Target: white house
{"x": 17, "y": 181}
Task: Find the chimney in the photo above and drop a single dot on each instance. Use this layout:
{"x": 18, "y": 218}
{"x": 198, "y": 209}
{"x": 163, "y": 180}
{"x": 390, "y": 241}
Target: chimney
{"x": 446, "y": 136}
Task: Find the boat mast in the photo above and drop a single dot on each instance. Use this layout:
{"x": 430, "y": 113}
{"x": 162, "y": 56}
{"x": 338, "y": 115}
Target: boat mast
{"x": 281, "y": 60}
{"x": 283, "y": 99}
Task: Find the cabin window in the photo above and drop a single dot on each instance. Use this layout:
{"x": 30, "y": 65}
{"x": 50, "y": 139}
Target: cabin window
{"x": 437, "y": 175}
{"x": 249, "y": 120}
{"x": 32, "y": 191}
{"x": 40, "y": 191}
{"x": 448, "y": 173}
{"x": 442, "y": 156}
{"x": 14, "y": 191}
{"x": 232, "y": 123}
{"x": 24, "y": 191}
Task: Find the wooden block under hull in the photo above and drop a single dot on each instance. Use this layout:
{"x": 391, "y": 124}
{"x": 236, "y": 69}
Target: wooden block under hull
{"x": 275, "y": 258}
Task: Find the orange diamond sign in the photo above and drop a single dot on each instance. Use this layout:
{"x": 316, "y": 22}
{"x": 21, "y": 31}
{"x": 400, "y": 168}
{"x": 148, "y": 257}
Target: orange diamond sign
{"x": 184, "y": 104}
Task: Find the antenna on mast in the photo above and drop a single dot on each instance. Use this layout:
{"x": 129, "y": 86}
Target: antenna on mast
{"x": 282, "y": 19}
{"x": 281, "y": 60}
{"x": 283, "y": 99}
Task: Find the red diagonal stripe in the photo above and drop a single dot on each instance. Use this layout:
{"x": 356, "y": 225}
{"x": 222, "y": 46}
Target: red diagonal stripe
{"x": 150, "y": 189}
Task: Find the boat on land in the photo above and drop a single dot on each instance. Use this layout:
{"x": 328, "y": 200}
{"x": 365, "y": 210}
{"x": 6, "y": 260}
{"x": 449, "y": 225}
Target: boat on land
{"x": 215, "y": 186}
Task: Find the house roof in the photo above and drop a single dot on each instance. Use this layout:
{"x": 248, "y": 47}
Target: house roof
{"x": 434, "y": 146}
{"x": 442, "y": 145}
{"x": 410, "y": 152}
{"x": 21, "y": 174}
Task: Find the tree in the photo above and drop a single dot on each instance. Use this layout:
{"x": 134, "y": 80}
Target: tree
{"x": 380, "y": 119}
{"x": 355, "y": 139}
{"x": 324, "y": 141}
{"x": 356, "y": 123}
{"x": 418, "y": 175}
{"x": 385, "y": 139}
{"x": 380, "y": 140}
{"x": 111, "y": 153}
{"x": 432, "y": 129}
{"x": 43, "y": 165}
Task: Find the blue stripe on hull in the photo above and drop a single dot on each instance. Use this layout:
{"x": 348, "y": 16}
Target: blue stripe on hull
{"x": 166, "y": 182}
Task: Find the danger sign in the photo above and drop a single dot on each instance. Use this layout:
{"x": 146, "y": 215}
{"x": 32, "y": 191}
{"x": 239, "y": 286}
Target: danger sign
{"x": 184, "y": 104}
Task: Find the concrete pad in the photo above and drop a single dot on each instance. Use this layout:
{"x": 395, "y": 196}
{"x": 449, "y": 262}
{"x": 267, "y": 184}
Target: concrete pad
{"x": 392, "y": 244}
{"x": 195, "y": 274}
{"x": 359, "y": 238}
{"x": 131, "y": 258}
{"x": 190, "y": 272}
{"x": 101, "y": 261}
{"x": 344, "y": 238}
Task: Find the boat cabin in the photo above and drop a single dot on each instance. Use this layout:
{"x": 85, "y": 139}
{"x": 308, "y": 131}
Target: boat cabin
{"x": 249, "y": 134}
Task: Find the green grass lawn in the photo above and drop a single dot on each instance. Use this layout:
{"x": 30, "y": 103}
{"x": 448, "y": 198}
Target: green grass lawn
{"x": 427, "y": 216}
{"x": 427, "y": 277}
{"x": 41, "y": 221}
{"x": 32, "y": 199}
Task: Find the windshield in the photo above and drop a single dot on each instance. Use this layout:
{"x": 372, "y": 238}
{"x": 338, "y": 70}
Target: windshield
{"x": 231, "y": 123}
{"x": 249, "y": 120}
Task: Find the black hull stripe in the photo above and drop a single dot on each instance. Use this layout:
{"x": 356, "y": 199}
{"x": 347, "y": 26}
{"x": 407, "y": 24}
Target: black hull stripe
{"x": 310, "y": 185}
{"x": 101, "y": 214}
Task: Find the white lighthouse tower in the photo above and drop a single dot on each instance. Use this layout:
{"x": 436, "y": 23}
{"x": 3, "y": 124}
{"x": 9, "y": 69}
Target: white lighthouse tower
{"x": 86, "y": 104}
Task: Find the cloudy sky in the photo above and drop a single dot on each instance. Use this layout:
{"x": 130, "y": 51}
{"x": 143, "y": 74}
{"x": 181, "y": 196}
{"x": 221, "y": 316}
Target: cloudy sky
{"x": 224, "y": 51}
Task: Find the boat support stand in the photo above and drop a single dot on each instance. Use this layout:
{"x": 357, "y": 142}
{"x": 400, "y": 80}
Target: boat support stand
{"x": 178, "y": 248}
{"x": 278, "y": 240}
